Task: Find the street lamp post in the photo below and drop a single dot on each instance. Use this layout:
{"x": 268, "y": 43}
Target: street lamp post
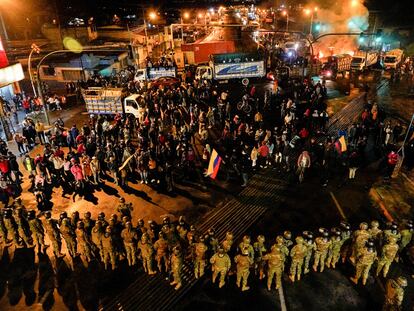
{"x": 311, "y": 13}
{"x": 34, "y": 48}
{"x": 285, "y": 13}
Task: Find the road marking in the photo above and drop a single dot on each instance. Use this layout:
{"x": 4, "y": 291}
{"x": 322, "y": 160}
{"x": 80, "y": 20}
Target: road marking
{"x": 380, "y": 203}
{"x": 282, "y": 299}
{"x": 338, "y": 206}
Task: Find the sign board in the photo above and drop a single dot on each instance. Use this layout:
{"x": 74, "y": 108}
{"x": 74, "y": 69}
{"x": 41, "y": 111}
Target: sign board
{"x": 239, "y": 70}
{"x": 11, "y": 74}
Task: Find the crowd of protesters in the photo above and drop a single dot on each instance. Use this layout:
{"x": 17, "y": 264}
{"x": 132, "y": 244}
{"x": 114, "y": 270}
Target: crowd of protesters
{"x": 178, "y": 128}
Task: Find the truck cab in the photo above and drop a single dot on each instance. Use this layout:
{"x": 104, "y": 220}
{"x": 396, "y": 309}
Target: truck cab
{"x": 141, "y": 75}
{"x": 204, "y": 73}
{"x": 134, "y": 105}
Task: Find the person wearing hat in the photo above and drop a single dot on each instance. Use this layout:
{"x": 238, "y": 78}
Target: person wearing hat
{"x": 364, "y": 261}
{"x": 394, "y": 293}
{"x": 388, "y": 254}
{"x": 220, "y": 264}
{"x": 297, "y": 253}
{"x": 200, "y": 251}
{"x": 322, "y": 246}
{"x": 161, "y": 252}
{"x": 275, "y": 263}
{"x": 129, "y": 237}
{"x": 123, "y": 208}
{"x": 147, "y": 253}
{"x": 176, "y": 267}
{"x": 243, "y": 262}
{"x": 335, "y": 248}
{"x": 359, "y": 239}
{"x": 310, "y": 248}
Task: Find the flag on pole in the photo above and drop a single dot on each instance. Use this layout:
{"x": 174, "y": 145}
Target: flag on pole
{"x": 342, "y": 142}
{"x": 214, "y": 165}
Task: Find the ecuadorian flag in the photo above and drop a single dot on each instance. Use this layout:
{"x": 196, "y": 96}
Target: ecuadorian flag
{"x": 214, "y": 165}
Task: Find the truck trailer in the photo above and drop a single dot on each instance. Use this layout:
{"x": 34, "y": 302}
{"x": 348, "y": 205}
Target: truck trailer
{"x": 223, "y": 67}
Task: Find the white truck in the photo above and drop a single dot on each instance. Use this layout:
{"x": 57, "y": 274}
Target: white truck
{"x": 223, "y": 67}
{"x": 153, "y": 73}
{"x": 111, "y": 101}
{"x": 363, "y": 60}
{"x": 393, "y": 59}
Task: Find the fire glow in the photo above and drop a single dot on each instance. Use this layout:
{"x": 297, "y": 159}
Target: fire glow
{"x": 341, "y": 16}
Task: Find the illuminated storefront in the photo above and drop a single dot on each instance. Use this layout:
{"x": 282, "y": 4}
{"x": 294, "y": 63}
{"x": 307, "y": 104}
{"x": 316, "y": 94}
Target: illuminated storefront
{"x": 9, "y": 75}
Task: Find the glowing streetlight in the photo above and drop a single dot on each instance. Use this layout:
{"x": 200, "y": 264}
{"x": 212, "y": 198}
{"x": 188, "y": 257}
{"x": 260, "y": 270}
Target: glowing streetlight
{"x": 354, "y": 3}
{"x": 186, "y": 15}
{"x": 152, "y": 15}
{"x": 311, "y": 13}
{"x": 200, "y": 15}
{"x": 285, "y": 13}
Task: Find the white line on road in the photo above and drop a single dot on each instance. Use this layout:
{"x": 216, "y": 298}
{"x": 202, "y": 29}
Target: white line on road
{"x": 282, "y": 298}
{"x": 338, "y": 206}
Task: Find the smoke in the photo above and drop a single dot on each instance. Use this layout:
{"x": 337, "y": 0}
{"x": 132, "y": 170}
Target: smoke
{"x": 335, "y": 16}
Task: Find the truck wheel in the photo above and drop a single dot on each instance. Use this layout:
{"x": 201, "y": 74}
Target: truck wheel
{"x": 245, "y": 81}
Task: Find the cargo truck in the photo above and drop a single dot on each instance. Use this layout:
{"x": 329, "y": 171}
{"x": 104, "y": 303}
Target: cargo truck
{"x": 223, "y": 67}
{"x": 336, "y": 64}
{"x": 363, "y": 60}
{"x": 393, "y": 59}
{"x": 153, "y": 73}
{"x": 113, "y": 101}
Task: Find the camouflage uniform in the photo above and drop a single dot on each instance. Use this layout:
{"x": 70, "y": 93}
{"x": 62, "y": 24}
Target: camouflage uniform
{"x": 364, "y": 262}
{"x": 37, "y": 230}
{"x": 69, "y": 236}
{"x": 161, "y": 249}
{"x": 108, "y": 248}
{"x": 406, "y": 235}
{"x": 322, "y": 246}
{"x": 147, "y": 253}
{"x": 243, "y": 262}
{"x": 124, "y": 209}
{"x": 360, "y": 238}
{"x": 23, "y": 229}
{"x": 297, "y": 253}
{"x": 275, "y": 261}
{"x": 176, "y": 267}
{"x": 280, "y": 244}
{"x": 394, "y": 294}
{"x": 200, "y": 250}
{"x": 245, "y": 244}
{"x": 84, "y": 242}
{"x": 11, "y": 227}
{"x": 388, "y": 253}
{"x": 228, "y": 242}
{"x": 129, "y": 237}
{"x": 334, "y": 250}
{"x": 310, "y": 248}
{"x": 96, "y": 237}
{"x": 220, "y": 264}
{"x": 52, "y": 230}
{"x": 260, "y": 250}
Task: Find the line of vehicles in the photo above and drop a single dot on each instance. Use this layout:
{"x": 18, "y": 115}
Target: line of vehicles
{"x": 220, "y": 69}
{"x": 360, "y": 61}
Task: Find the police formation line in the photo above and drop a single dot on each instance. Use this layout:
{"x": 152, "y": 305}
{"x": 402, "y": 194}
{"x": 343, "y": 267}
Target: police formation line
{"x": 171, "y": 243}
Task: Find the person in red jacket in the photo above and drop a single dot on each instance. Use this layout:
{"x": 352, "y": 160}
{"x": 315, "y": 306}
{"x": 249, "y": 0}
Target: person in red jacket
{"x": 263, "y": 152}
{"x": 5, "y": 168}
{"x": 392, "y": 160}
